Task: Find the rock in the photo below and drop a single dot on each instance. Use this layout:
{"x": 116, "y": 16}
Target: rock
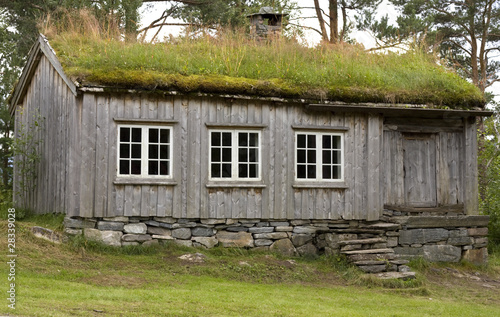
{"x": 263, "y": 242}
{"x": 182, "y": 233}
{"x": 184, "y": 243}
{"x": 392, "y": 242}
{"x": 362, "y": 241}
{"x": 444, "y": 221}
{"x": 160, "y": 237}
{"x": 135, "y": 228}
{"x": 331, "y": 252}
{"x": 310, "y": 230}
{"x": 284, "y": 246}
{"x": 168, "y": 220}
{"x": 152, "y": 223}
{"x": 442, "y": 253}
{"x": 272, "y": 235}
{"x": 478, "y": 231}
{"x": 371, "y": 257}
{"x": 307, "y": 249}
{"x": 78, "y": 223}
{"x": 136, "y": 237}
{"x": 112, "y": 238}
{"x": 460, "y": 241}
{"x": 397, "y": 275}
{"x": 283, "y": 229}
{"x": 110, "y": 225}
{"x": 193, "y": 257}
{"x": 261, "y": 230}
{"x": 235, "y": 239}
{"x": 150, "y": 243}
{"x": 422, "y": 236}
{"x": 373, "y": 268}
{"x": 408, "y": 252}
{"x": 202, "y": 232}
{"x": 237, "y": 229}
{"x": 299, "y": 222}
{"x": 459, "y": 233}
{"x": 47, "y": 234}
{"x": 159, "y": 231}
{"x": 385, "y": 226}
{"x": 477, "y": 256}
{"x": 116, "y": 219}
{"x": 208, "y": 242}
{"x": 279, "y": 223}
{"x": 212, "y": 221}
{"x": 73, "y": 232}
{"x": 404, "y": 268}
{"x": 301, "y": 239}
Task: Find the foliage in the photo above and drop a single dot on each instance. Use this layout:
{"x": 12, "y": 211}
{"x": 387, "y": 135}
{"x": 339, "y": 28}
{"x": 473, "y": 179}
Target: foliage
{"x": 26, "y": 149}
{"x": 490, "y": 184}
{"x": 232, "y": 63}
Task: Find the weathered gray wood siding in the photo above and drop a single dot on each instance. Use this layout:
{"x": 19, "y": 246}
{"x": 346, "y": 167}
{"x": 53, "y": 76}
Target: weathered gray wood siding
{"x": 49, "y": 98}
{"x": 188, "y": 196}
{"x": 430, "y": 164}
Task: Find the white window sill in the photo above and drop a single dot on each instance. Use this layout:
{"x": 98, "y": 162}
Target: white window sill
{"x": 334, "y": 185}
{"x": 144, "y": 181}
{"x": 235, "y": 184}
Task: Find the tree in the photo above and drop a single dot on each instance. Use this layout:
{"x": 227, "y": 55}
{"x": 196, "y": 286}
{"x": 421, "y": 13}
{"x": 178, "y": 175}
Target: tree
{"x": 331, "y": 20}
{"x": 466, "y": 32}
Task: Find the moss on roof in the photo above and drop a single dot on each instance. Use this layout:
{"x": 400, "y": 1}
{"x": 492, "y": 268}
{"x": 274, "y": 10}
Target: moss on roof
{"x": 235, "y": 65}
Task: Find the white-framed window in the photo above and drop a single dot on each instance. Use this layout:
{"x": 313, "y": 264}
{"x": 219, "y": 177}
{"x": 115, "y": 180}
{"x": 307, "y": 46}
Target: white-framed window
{"x": 319, "y": 156}
{"x": 144, "y": 151}
{"x": 235, "y": 155}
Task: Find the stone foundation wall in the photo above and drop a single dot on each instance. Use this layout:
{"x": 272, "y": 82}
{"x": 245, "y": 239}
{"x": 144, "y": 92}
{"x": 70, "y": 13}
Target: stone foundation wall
{"x": 392, "y": 238}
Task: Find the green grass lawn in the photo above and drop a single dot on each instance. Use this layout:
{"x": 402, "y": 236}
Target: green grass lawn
{"x": 84, "y": 279}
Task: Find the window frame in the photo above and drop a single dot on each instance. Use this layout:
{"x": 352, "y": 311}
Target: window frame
{"x": 234, "y": 156}
{"x": 145, "y": 152}
{"x": 319, "y": 157}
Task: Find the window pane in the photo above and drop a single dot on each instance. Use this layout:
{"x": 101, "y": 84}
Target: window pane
{"x": 253, "y": 171}
{"x": 301, "y": 156}
{"x": 336, "y": 157}
{"x": 216, "y": 138}
{"x": 226, "y": 155}
{"x": 124, "y": 167}
{"x": 327, "y": 172}
{"x": 124, "y": 134}
{"x": 311, "y": 156}
{"x": 301, "y": 141}
{"x": 164, "y": 151}
{"x": 226, "y": 139}
{"x": 336, "y": 142}
{"x": 216, "y": 155}
{"x": 253, "y": 155}
{"x": 153, "y": 135}
{"x": 124, "y": 151}
{"x": 243, "y": 155}
{"x": 243, "y": 170}
{"x": 136, "y": 151}
{"x": 153, "y": 151}
{"x": 242, "y": 139}
{"x": 153, "y": 168}
{"x": 215, "y": 170}
{"x": 254, "y": 139}
{"x": 226, "y": 170}
{"x": 136, "y": 134}
{"x": 301, "y": 171}
{"x": 327, "y": 158}
{"x": 336, "y": 172}
{"x": 311, "y": 141}
{"x": 164, "y": 168}
{"x": 327, "y": 142}
{"x": 135, "y": 167}
{"x": 165, "y": 136}
{"x": 311, "y": 171}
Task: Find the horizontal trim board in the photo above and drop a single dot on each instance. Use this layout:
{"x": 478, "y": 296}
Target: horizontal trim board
{"x": 235, "y": 125}
{"x": 422, "y": 129}
{"x": 388, "y": 110}
{"x": 319, "y": 127}
{"x": 144, "y": 181}
{"x": 144, "y": 121}
{"x": 339, "y": 185}
{"x": 458, "y": 208}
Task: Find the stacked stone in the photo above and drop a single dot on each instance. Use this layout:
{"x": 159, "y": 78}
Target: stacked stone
{"x": 378, "y": 246}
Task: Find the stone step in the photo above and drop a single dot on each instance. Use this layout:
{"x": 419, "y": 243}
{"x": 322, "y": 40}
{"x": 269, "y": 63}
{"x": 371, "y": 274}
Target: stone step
{"x": 370, "y": 251}
{"x": 396, "y": 275}
{"x": 371, "y": 257}
{"x": 363, "y": 241}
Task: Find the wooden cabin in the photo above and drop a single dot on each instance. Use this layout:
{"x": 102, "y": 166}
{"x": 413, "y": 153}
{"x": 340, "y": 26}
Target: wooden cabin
{"x": 110, "y": 154}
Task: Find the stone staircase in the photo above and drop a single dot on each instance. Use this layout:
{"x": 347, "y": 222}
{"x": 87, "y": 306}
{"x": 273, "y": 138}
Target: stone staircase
{"x": 371, "y": 255}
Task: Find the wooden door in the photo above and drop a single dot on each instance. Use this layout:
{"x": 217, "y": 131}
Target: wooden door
{"x": 419, "y": 164}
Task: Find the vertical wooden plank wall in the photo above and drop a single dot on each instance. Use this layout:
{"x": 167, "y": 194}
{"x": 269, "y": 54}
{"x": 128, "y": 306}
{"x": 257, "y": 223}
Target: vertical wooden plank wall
{"x": 471, "y": 195}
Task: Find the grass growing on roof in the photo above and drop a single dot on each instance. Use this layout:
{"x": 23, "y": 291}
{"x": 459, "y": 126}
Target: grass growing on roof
{"x": 233, "y": 64}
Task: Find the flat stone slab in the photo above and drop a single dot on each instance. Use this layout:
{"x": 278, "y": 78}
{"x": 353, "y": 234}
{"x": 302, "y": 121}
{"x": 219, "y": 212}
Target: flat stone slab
{"x": 47, "y": 234}
{"x": 405, "y": 276}
{"x": 235, "y": 239}
{"x": 443, "y": 221}
{"x": 362, "y": 241}
{"x": 373, "y": 251}
{"x": 373, "y": 268}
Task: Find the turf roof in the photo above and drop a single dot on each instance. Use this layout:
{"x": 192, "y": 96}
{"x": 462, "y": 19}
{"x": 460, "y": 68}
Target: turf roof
{"x": 235, "y": 65}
